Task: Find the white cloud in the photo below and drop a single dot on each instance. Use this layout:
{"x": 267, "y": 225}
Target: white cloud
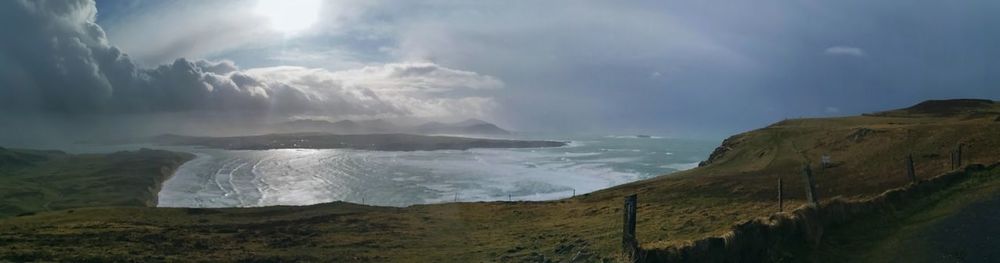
{"x": 832, "y": 110}
{"x": 420, "y": 76}
{"x": 64, "y": 64}
{"x": 195, "y": 29}
{"x": 390, "y": 90}
{"x": 334, "y": 59}
{"x": 203, "y": 29}
{"x": 544, "y": 35}
{"x": 845, "y": 51}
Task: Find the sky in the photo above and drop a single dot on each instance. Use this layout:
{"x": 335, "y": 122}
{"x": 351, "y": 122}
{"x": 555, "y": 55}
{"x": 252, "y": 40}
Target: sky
{"x": 676, "y": 68}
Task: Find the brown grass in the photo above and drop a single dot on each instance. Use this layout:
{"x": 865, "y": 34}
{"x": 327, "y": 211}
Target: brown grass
{"x": 796, "y": 235}
{"x": 737, "y": 186}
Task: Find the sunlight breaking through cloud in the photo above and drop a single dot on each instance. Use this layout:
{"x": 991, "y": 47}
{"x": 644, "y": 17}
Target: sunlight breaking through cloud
{"x": 90, "y": 75}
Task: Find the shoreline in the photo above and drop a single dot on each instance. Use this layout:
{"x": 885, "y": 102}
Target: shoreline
{"x": 372, "y": 142}
{"x": 477, "y": 175}
{"x": 196, "y": 174}
{"x": 167, "y": 173}
{"x": 740, "y": 184}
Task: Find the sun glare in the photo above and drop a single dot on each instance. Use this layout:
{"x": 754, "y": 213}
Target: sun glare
{"x": 289, "y": 16}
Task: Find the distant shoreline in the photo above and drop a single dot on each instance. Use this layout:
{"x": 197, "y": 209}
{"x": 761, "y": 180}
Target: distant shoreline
{"x": 374, "y": 142}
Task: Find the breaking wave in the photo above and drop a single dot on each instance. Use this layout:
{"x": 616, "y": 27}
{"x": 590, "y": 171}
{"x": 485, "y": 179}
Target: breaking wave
{"x": 225, "y": 178}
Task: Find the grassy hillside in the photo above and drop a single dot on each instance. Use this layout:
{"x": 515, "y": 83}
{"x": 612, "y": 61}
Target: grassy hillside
{"x": 34, "y": 181}
{"x": 737, "y": 183}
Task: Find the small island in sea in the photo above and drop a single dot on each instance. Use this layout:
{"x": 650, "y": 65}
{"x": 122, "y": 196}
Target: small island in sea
{"x": 375, "y": 142}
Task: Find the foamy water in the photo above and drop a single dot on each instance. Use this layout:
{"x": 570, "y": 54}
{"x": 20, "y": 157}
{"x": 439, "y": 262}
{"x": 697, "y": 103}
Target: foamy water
{"x": 225, "y": 178}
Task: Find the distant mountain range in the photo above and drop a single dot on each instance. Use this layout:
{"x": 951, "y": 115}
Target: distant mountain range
{"x": 467, "y": 127}
{"x": 373, "y": 142}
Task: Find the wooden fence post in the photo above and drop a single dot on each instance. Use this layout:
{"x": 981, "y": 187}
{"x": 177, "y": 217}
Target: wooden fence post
{"x": 630, "y": 247}
{"x": 910, "y": 171}
{"x": 810, "y": 186}
{"x": 952, "y": 160}
{"x": 781, "y": 196}
{"x": 958, "y": 156}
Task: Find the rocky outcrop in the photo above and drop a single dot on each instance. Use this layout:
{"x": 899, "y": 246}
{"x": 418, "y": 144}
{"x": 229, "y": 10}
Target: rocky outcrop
{"x": 727, "y": 145}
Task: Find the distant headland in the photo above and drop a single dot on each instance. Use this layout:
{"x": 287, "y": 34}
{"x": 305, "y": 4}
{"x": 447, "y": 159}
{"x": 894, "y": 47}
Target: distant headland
{"x": 375, "y": 142}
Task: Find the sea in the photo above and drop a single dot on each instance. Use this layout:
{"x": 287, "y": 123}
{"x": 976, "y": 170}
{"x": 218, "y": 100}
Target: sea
{"x": 253, "y": 178}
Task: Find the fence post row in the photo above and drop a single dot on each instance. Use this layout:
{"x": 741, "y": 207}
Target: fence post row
{"x": 810, "y": 186}
{"x": 956, "y": 157}
{"x": 630, "y": 247}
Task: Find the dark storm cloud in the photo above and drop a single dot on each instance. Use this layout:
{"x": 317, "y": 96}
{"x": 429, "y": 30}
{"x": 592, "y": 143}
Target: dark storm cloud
{"x": 57, "y": 60}
{"x": 683, "y": 67}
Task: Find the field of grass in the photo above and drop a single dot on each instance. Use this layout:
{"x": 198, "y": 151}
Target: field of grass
{"x": 34, "y": 181}
{"x": 738, "y": 183}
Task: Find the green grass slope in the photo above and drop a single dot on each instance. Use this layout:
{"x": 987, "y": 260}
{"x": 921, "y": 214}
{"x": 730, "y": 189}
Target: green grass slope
{"x": 35, "y": 181}
{"x": 738, "y": 183}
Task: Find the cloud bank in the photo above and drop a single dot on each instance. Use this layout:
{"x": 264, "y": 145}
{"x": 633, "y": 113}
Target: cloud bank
{"x": 845, "y": 51}
{"x": 62, "y": 63}
{"x": 687, "y": 68}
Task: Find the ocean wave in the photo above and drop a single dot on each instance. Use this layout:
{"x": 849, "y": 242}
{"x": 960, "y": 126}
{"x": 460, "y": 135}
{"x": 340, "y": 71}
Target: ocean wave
{"x": 221, "y": 178}
{"x": 633, "y": 137}
{"x": 681, "y": 166}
